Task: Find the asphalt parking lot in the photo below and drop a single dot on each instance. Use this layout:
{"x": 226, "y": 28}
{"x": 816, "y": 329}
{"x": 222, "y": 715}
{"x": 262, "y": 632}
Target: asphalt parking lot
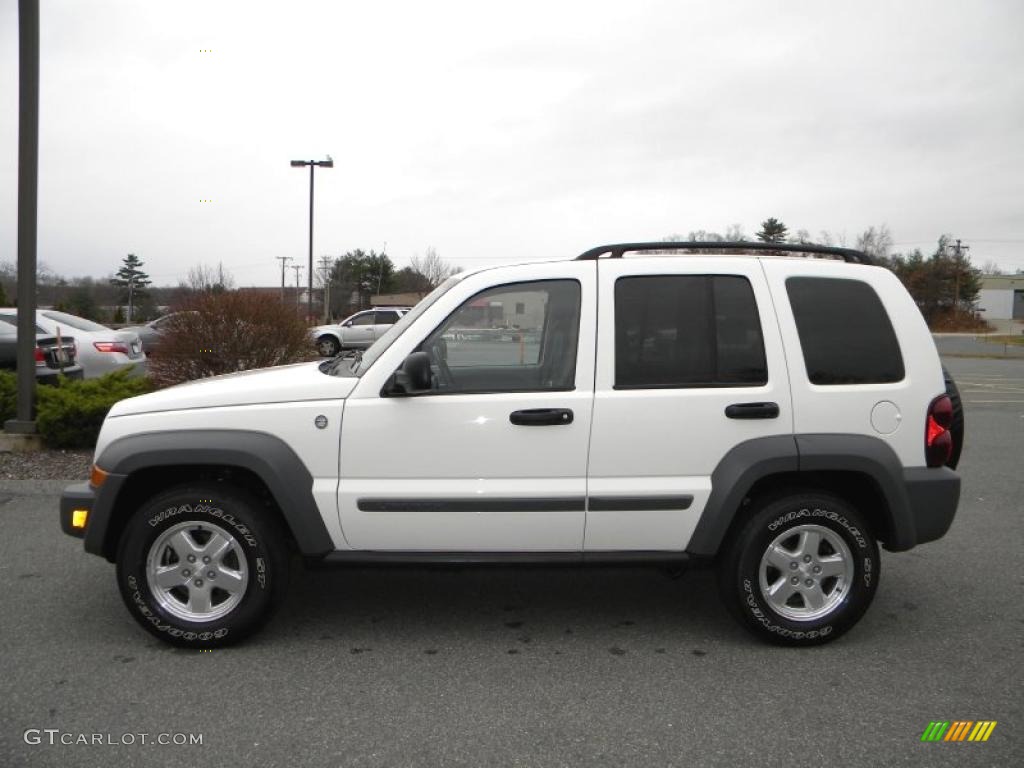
{"x": 535, "y": 667}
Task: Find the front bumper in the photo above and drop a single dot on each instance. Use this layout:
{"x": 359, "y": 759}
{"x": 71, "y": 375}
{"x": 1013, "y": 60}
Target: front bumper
{"x": 933, "y": 495}
{"x": 76, "y": 497}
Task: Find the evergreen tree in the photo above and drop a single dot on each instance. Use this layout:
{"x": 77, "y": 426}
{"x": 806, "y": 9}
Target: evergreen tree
{"x": 772, "y": 231}
{"x": 132, "y": 280}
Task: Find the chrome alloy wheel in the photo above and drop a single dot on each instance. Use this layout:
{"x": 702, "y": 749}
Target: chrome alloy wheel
{"x": 806, "y": 572}
{"x": 197, "y": 571}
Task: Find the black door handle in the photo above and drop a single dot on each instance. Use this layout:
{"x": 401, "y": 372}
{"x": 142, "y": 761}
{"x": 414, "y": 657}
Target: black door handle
{"x": 752, "y": 411}
{"x": 541, "y": 417}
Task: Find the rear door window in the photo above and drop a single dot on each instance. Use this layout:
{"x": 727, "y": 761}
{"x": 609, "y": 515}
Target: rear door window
{"x": 687, "y": 331}
{"x": 845, "y": 334}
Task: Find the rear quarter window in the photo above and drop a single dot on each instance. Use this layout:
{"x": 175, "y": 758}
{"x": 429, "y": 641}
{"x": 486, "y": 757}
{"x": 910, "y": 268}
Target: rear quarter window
{"x": 845, "y": 333}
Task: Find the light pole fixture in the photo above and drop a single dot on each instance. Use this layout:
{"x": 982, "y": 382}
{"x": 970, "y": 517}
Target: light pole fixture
{"x": 328, "y": 163}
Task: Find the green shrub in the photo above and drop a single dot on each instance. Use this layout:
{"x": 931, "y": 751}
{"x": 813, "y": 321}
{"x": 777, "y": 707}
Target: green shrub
{"x": 8, "y": 396}
{"x": 70, "y": 414}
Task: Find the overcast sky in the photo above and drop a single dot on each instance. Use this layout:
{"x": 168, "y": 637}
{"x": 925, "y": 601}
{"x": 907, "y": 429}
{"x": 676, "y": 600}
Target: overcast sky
{"x": 505, "y": 132}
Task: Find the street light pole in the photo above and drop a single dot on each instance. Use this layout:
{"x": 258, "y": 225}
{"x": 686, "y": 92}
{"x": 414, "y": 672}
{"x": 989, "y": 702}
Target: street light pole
{"x": 28, "y": 177}
{"x": 328, "y": 163}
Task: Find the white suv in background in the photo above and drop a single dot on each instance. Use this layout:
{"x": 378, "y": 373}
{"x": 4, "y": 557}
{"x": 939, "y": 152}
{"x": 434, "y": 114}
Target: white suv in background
{"x": 358, "y": 331}
{"x": 773, "y": 415}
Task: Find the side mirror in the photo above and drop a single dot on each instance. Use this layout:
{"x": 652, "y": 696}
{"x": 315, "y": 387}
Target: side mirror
{"x": 412, "y": 378}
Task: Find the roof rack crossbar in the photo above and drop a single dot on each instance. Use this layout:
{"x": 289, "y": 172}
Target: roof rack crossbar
{"x": 616, "y": 251}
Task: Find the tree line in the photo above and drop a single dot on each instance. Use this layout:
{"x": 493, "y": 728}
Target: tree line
{"x": 943, "y": 282}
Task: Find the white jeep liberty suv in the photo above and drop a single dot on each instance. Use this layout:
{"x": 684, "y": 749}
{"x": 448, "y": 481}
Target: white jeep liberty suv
{"x": 775, "y": 410}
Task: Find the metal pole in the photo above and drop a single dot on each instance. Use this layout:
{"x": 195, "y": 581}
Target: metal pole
{"x": 325, "y": 265}
{"x": 284, "y": 260}
{"x": 309, "y": 296}
{"x": 28, "y": 188}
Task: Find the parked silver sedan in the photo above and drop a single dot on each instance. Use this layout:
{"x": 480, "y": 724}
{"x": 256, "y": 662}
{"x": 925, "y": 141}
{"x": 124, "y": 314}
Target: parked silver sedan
{"x": 100, "y": 349}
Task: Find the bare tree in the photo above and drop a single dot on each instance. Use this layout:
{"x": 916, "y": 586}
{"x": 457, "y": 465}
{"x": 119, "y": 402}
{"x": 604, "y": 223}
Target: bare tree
{"x": 990, "y": 267}
{"x": 875, "y": 241}
{"x": 432, "y": 269}
{"x": 202, "y": 278}
{"x": 223, "y": 332}
{"x": 734, "y": 233}
{"x": 827, "y": 238}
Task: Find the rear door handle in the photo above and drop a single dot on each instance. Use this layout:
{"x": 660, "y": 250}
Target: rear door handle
{"x": 752, "y": 411}
{"x": 541, "y": 417}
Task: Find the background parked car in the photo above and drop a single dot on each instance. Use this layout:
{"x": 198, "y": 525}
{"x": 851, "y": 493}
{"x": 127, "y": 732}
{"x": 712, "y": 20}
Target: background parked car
{"x": 100, "y": 349}
{"x": 357, "y": 331}
{"x": 151, "y": 333}
{"x": 52, "y": 358}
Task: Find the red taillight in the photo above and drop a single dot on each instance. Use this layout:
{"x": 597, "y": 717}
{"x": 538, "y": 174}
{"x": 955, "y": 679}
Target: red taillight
{"x": 111, "y": 346}
{"x": 938, "y": 442}
{"x": 40, "y": 356}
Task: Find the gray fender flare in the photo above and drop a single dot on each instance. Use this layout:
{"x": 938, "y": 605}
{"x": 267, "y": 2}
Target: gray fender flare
{"x": 757, "y": 459}
{"x": 267, "y": 456}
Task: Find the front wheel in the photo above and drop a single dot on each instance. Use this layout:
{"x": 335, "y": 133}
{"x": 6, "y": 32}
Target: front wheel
{"x": 801, "y": 571}
{"x": 202, "y": 566}
{"x": 328, "y": 346}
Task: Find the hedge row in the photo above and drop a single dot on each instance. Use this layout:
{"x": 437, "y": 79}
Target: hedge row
{"x": 70, "y": 413}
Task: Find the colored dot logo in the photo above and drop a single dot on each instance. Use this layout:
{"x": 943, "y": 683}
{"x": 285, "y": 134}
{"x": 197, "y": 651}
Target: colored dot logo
{"x": 205, "y": 200}
{"x": 206, "y": 50}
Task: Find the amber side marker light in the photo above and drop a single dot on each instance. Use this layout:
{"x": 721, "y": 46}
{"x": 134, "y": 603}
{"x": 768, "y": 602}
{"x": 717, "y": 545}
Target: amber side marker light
{"x": 98, "y": 477}
{"x": 79, "y": 517}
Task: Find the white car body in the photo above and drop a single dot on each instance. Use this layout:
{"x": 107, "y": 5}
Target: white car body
{"x": 621, "y": 443}
{"x": 777, "y": 417}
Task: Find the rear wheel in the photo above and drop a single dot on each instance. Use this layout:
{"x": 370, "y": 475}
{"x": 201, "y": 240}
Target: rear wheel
{"x": 202, "y": 566}
{"x": 801, "y": 571}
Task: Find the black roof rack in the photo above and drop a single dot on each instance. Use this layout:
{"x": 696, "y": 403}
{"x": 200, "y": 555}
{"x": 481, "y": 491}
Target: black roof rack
{"x": 615, "y": 251}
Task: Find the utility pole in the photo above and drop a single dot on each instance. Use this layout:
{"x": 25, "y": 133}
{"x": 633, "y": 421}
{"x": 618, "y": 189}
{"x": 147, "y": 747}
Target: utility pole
{"x": 298, "y": 269}
{"x": 325, "y": 265}
{"x": 284, "y": 260}
{"x": 380, "y": 273}
{"x": 958, "y": 249}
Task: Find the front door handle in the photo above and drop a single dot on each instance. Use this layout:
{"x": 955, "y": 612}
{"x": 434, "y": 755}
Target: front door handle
{"x": 752, "y": 411}
{"x": 541, "y": 417}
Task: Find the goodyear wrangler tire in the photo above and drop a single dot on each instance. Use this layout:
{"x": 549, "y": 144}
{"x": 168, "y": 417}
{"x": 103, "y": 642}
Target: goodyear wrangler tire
{"x": 202, "y": 566}
{"x": 801, "y": 571}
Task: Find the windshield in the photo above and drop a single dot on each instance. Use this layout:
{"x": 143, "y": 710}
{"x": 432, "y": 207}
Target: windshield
{"x": 75, "y": 322}
{"x": 362, "y": 363}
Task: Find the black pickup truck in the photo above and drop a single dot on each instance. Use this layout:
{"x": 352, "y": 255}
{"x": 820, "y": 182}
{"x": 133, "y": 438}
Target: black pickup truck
{"x": 51, "y": 358}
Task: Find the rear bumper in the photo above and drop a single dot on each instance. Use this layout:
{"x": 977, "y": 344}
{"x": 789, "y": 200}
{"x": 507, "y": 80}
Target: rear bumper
{"x": 933, "y": 495}
{"x": 75, "y": 497}
{"x": 52, "y": 376}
